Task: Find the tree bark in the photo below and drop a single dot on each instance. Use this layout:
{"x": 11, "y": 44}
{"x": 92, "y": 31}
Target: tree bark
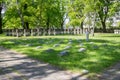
{"x": 62, "y": 22}
{"x": 94, "y": 24}
{"x": 103, "y": 23}
{"x": 26, "y": 25}
{"x": 48, "y": 22}
{"x": 26, "y": 22}
{"x": 81, "y": 27}
{"x": 104, "y": 26}
{"x": 1, "y": 19}
{"x": 103, "y": 20}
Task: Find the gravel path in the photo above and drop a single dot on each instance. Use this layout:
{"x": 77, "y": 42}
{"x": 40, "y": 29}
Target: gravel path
{"x": 14, "y": 66}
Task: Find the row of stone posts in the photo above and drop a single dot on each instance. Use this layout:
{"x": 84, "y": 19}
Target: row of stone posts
{"x": 38, "y": 32}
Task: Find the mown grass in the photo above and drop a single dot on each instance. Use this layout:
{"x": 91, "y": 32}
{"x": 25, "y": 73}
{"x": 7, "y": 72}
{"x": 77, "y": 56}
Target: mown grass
{"x": 93, "y": 60}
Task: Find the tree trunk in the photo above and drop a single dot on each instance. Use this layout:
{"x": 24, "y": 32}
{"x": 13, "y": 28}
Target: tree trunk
{"x": 26, "y": 22}
{"x": 103, "y": 20}
{"x": 21, "y": 15}
{"x": 26, "y": 25}
{"x": 48, "y": 23}
{"x": 81, "y": 27}
{"x": 94, "y": 24}
{"x": 104, "y": 26}
{"x": 62, "y": 24}
{"x": 1, "y": 20}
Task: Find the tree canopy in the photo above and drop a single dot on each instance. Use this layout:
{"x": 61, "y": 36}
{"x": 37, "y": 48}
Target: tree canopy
{"x": 53, "y": 13}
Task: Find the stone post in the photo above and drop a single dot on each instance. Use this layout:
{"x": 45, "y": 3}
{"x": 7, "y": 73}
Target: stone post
{"x": 54, "y": 32}
{"x": 24, "y": 32}
{"x": 17, "y": 33}
{"x": 87, "y": 35}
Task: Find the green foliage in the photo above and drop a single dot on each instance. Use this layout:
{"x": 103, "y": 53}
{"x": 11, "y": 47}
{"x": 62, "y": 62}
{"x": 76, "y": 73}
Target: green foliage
{"x": 75, "y": 12}
{"x": 118, "y": 24}
{"x": 13, "y": 23}
{"x": 98, "y": 24}
{"x": 53, "y": 13}
{"x": 41, "y": 13}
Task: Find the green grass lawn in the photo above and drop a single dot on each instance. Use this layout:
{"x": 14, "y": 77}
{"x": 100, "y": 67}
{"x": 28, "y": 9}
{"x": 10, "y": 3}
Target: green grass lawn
{"x": 93, "y": 60}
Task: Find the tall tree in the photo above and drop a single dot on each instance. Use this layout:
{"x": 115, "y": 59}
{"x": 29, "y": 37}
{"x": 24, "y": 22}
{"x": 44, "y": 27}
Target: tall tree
{"x": 105, "y": 9}
{"x": 1, "y": 17}
{"x": 3, "y": 3}
{"x": 75, "y": 13}
{"x": 20, "y": 13}
{"x": 1, "y": 8}
{"x": 24, "y": 13}
{"x": 90, "y": 12}
{"x": 49, "y": 13}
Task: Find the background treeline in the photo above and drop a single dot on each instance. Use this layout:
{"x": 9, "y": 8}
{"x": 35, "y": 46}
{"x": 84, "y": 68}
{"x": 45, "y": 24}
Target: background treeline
{"x": 28, "y": 14}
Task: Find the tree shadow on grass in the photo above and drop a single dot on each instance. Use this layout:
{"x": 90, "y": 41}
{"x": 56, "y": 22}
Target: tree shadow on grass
{"x": 94, "y": 60}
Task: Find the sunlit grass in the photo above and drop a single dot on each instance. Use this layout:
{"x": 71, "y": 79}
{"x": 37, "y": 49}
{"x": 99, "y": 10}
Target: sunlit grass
{"x": 93, "y": 60}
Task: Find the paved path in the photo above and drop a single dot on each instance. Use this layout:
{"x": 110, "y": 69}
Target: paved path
{"x": 14, "y": 66}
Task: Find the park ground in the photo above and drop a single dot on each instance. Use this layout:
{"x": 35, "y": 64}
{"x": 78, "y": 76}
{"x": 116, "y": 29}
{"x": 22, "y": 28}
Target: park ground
{"x": 101, "y": 52}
